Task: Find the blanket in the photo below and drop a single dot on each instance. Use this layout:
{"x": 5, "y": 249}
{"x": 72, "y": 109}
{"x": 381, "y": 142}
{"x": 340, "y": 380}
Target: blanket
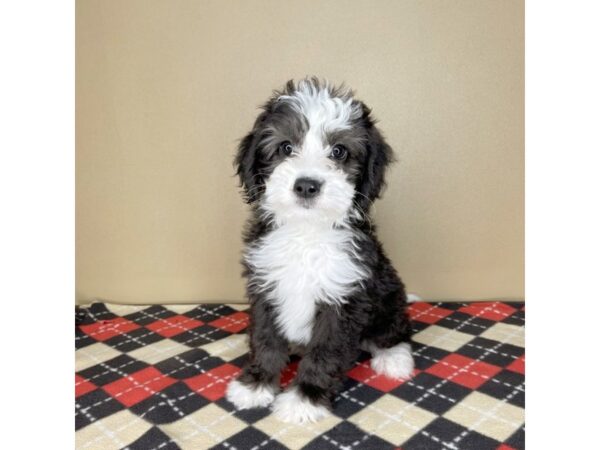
{"x": 154, "y": 377}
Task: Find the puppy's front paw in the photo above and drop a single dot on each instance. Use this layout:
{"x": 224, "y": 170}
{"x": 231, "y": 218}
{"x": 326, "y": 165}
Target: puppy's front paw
{"x": 395, "y": 362}
{"x": 292, "y": 407}
{"x": 244, "y": 396}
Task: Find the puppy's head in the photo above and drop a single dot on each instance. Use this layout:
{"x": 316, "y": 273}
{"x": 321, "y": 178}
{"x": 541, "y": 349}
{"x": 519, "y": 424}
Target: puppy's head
{"x": 314, "y": 155}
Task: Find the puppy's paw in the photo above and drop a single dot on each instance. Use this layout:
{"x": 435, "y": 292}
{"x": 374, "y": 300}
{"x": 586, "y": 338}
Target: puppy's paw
{"x": 395, "y": 362}
{"x": 244, "y": 396}
{"x": 292, "y": 407}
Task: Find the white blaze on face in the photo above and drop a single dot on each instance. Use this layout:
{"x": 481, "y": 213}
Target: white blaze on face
{"x": 324, "y": 114}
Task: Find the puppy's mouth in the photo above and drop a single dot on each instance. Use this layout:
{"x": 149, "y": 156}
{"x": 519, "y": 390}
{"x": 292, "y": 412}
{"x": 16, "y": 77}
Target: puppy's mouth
{"x": 306, "y": 203}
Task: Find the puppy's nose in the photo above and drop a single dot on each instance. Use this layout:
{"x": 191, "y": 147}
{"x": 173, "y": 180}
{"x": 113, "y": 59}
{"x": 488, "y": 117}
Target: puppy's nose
{"x": 307, "y": 187}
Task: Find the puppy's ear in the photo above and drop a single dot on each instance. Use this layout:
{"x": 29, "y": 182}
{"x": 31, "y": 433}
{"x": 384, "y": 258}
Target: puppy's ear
{"x": 247, "y": 163}
{"x": 379, "y": 156}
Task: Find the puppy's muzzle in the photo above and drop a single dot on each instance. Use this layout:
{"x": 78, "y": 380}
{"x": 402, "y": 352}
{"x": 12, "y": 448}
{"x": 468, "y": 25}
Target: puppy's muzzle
{"x": 307, "y": 188}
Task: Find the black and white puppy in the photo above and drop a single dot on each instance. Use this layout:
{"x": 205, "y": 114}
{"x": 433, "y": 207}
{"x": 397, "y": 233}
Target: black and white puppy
{"x": 317, "y": 277}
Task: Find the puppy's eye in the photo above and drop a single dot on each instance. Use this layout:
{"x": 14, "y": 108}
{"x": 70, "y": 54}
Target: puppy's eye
{"x": 339, "y": 152}
{"x": 285, "y": 148}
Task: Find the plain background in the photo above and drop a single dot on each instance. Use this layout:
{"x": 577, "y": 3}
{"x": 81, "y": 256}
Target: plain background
{"x": 165, "y": 89}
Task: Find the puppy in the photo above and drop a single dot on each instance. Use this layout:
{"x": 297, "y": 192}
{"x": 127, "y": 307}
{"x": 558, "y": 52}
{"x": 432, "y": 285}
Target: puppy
{"x": 317, "y": 276}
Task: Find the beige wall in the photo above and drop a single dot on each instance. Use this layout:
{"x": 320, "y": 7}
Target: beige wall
{"x": 165, "y": 89}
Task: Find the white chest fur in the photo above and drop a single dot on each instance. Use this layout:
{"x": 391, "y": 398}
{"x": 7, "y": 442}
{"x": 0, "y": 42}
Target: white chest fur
{"x": 299, "y": 266}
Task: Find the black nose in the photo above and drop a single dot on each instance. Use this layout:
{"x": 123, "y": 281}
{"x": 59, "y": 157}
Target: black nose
{"x": 307, "y": 187}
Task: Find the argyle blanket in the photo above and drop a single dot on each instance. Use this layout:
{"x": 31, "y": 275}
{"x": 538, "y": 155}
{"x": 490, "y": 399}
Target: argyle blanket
{"x": 154, "y": 377}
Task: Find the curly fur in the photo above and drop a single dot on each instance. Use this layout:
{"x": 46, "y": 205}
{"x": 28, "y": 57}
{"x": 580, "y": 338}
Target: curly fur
{"x": 317, "y": 276}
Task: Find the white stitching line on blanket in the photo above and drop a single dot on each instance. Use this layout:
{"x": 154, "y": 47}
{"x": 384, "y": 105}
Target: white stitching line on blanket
{"x": 358, "y": 385}
{"x": 497, "y": 311}
{"x": 89, "y": 312}
{"x": 447, "y": 334}
{"x": 114, "y": 326}
{"x": 431, "y": 436}
{"x": 136, "y": 385}
{"x": 118, "y": 394}
{"x": 175, "y": 400}
{"x": 196, "y": 336}
{"x": 430, "y": 390}
{"x": 489, "y": 414}
{"x": 467, "y": 322}
{"x": 502, "y": 313}
{"x": 472, "y": 408}
{"x": 190, "y": 394}
{"x": 99, "y": 424}
{"x": 262, "y": 444}
{"x": 163, "y": 395}
{"x": 150, "y": 345}
{"x": 345, "y": 395}
{"x": 472, "y": 372}
{"x": 279, "y": 433}
{"x": 508, "y": 355}
{"x": 324, "y": 435}
{"x": 196, "y": 426}
{"x": 404, "y": 421}
{"x": 426, "y": 311}
{"x": 437, "y": 386}
{"x": 110, "y": 369}
{"x": 201, "y": 428}
{"x": 190, "y": 435}
{"x": 448, "y": 317}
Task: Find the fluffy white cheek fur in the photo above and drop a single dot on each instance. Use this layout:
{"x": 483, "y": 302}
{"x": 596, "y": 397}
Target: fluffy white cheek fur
{"x": 394, "y": 362}
{"x": 291, "y": 407}
{"x": 246, "y": 397}
{"x": 333, "y": 204}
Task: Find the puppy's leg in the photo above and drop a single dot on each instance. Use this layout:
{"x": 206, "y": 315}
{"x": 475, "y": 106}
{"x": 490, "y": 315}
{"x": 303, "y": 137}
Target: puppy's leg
{"x": 259, "y": 381}
{"x": 331, "y": 351}
{"x": 391, "y": 350}
{"x": 393, "y": 362}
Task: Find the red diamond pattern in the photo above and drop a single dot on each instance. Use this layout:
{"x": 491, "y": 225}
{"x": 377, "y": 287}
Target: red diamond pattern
{"x": 288, "y": 374}
{"x": 424, "y": 312}
{"x": 518, "y": 365}
{"x": 138, "y": 386}
{"x": 83, "y": 386}
{"x": 105, "y": 329}
{"x": 233, "y": 323}
{"x": 489, "y": 310}
{"x": 212, "y": 384}
{"x": 197, "y": 378}
{"x": 173, "y": 326}
{"x": 464, "y": 371}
